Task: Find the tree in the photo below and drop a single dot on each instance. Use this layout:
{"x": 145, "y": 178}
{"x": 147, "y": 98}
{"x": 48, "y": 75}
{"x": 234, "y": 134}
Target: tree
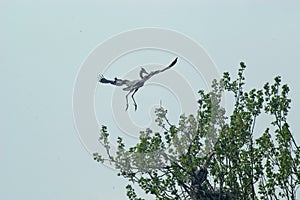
{"x": 213, "y": 155}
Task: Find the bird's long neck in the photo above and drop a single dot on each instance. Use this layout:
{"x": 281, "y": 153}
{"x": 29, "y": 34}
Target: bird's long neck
{"x": 210, "y": 155}
{"x": 142, "y": 72}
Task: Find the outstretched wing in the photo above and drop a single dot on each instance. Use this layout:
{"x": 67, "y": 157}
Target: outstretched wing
{"x": 171, "y": 65}
{"x": 116, "y": 82}
{"x": 164, "y": 69}
{"x": 104, "y": 80}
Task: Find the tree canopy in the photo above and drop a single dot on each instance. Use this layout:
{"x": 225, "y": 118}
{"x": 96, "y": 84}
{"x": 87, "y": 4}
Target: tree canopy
{"x": 215, "y": 154}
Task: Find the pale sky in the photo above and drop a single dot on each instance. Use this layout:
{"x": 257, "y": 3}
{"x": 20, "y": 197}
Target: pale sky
{"x": 45, "y": 43}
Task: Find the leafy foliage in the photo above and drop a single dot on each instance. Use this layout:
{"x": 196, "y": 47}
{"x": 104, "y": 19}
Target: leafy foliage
{"x": 213, "y": 155}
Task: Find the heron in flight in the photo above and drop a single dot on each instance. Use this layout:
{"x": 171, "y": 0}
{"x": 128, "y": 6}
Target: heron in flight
{"x": 135, "y": 85}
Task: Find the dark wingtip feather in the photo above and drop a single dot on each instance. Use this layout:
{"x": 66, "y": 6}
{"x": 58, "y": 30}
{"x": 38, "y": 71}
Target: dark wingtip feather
{"x": 104, "y": 80}
{"x": 174, "y": 62}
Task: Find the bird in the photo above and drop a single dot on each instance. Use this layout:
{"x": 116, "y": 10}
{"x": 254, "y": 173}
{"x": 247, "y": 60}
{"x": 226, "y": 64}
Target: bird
{"x": 200, "y": 174}
{"x": 135, "y": 85}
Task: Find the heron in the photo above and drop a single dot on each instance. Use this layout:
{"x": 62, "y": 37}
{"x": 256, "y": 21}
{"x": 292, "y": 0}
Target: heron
{"x": 200, "y": 174}
{"x": 133, "y": 86}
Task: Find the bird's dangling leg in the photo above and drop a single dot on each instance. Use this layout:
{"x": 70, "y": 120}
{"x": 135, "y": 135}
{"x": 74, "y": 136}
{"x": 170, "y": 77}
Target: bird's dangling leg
{"x": 127, "y": 100}
{"x": 132, "y": 96}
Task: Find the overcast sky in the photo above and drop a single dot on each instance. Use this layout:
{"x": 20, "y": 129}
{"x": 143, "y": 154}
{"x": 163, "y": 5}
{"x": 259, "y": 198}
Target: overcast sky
{"x": 43, "y": 45}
